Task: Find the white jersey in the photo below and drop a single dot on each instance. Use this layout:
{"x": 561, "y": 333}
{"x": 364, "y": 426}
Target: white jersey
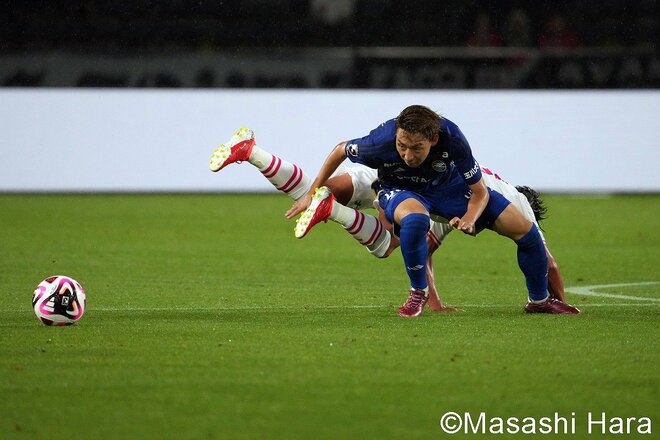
{"x": 364, "y": 195}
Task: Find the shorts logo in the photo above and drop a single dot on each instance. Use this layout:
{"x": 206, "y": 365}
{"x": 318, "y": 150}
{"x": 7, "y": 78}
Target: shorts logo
{"x": 352, "y": 149}
{"x": 439, "y": 166}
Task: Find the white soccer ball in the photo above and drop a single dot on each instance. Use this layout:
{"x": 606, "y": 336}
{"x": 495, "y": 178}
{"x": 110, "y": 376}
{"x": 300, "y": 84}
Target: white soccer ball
{"x": 59, "y": 300}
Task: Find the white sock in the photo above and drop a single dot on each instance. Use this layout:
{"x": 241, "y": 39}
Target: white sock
{"x": 365, "y": 228}
{"x": 540, "y": 301}
{"x": 437, "y": 233}
{"x": 283, "y": 175}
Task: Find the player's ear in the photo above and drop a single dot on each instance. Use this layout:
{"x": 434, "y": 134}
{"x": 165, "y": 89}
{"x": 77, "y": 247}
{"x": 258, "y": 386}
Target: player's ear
{"x": 435, "y": 138}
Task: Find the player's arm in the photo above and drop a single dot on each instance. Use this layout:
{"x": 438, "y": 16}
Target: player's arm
{"x": 476, "y": 205}
{"x": 434, "y": 302}
{"x": 555, "y": 280}
{"x": 332, "y": 162}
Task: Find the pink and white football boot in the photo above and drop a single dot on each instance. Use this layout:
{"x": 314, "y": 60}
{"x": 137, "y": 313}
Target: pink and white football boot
{"x": 414, "y": 305}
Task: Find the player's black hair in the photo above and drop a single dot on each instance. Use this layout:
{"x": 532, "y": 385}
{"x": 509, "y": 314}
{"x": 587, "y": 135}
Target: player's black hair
{"x": 419, "y": 119}
{"x": 534, "y": 199}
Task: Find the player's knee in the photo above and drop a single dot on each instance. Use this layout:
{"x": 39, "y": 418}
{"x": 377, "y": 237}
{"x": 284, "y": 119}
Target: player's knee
{"x": 408, "y": 209}
{"x": 512, "y": 223}
{"x": 341, "y": 187}
{"x": 417, "y": 220}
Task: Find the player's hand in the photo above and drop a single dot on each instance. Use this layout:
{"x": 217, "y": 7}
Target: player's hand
{"x": 435, "y": 304}
{"x": 442, "y": 308}
{"x": 463, "y": 226}
{"x": 299, "y": 206}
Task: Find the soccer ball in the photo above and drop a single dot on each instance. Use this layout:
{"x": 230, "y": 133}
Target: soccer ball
{"x": 59, "y": 300}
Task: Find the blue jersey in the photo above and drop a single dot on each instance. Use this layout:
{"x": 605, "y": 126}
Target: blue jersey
{"x": 450, "y": 159}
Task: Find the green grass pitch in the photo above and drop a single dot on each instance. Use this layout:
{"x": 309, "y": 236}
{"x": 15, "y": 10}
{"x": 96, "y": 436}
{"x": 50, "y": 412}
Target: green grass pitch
{"x": 206, "y": 318}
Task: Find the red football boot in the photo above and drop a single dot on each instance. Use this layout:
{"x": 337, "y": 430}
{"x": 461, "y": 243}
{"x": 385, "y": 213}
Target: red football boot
{"x": 319, "y": 211}
{"x": 414, "y": 304}
{"x": 237, "y": 149}
{"x": 552, "y": 305}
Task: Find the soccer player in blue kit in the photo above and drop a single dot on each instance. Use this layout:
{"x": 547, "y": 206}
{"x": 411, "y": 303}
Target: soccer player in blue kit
{"x": 426, "y": 167}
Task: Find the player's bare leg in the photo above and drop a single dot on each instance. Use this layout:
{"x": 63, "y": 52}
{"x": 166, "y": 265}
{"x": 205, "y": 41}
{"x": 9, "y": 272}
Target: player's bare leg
{"x": 342, "y": 188}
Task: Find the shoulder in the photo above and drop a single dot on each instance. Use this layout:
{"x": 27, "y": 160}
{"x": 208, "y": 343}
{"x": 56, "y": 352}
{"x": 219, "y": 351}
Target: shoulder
{"x": 379, "y": 141}
{"x": 384, "y": 133}
{"x": 451, "y": 130}
{"x": 453, "y": 138}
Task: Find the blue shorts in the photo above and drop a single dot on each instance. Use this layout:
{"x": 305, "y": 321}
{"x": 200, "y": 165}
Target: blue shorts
{"x": 446, "y": 201}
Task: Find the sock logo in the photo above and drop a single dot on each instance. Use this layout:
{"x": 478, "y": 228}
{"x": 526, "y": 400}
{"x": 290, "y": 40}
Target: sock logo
{"x": 418, "y": 267}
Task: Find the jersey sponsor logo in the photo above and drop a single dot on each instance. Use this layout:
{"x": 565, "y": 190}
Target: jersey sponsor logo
{"x": 439, "y": 166}
{"x": 445, "y": 155}
{"x": 472, "y": 171}
{"x": 413, "y": 179}
{"x": 352, "y": 149}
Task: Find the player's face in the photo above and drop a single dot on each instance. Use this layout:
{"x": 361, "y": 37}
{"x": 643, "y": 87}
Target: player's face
{"x": 413, "y": 147}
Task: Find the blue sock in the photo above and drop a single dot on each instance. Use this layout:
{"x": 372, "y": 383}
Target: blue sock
{"x": 414, "y": 249}
{"x": 534, "y": 264}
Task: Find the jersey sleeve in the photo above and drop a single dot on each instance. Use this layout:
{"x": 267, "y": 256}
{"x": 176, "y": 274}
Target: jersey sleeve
{"x": 462, "y": 156}
{"x": 366, "y": 150}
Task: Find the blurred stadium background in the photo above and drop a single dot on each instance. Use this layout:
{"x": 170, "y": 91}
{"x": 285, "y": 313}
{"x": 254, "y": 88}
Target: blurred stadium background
{"x": 559, "y": 84}
{"x": 386, "y": 44}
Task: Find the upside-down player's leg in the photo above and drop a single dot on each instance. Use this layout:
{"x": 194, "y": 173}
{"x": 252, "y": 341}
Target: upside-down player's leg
{"x": 292, "y": 180}
{"x": 365, "y": 228}
{"x": 241, "y": 147}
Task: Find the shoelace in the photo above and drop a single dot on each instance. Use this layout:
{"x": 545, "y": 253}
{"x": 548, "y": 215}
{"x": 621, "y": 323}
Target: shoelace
{"x": 415, "y": 299}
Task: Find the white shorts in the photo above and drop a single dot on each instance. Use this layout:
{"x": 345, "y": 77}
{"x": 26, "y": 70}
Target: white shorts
{"x": 362, "y": 177}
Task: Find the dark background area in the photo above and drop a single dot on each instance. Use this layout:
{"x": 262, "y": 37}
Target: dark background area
{"x": 520, "y": 44}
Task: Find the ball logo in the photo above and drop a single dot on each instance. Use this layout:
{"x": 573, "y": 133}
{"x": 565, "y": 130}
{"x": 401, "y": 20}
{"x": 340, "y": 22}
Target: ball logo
{"x": 59, "y": 300}
{"x": 439, "y": 166}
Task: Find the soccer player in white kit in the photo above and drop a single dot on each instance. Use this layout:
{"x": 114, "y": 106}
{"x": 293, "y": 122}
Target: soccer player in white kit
{"x": 352, "y": 189}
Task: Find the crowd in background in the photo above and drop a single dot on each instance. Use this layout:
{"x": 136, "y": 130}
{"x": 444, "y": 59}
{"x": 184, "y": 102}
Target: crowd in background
{"x": 161, "y": 25}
